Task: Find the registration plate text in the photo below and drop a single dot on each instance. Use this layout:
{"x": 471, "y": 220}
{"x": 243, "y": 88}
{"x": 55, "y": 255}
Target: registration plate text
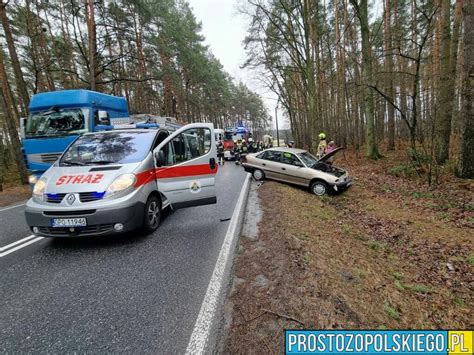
{"x": 68, "y": 222}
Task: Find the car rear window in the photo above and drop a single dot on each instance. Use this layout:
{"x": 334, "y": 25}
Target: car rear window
{"x": 109, "y": 148}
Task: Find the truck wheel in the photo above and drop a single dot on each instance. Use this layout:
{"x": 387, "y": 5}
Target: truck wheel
{"x": 152, "y": 215}
{"x": 258, "y": 174}
{"x": 319, "y": 188}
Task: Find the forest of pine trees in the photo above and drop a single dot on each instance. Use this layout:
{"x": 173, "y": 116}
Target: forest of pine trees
{"x": 150, "y": 52}
{"x": 383, "y": 74}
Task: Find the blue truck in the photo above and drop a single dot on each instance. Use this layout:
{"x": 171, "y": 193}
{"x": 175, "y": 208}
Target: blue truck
{"x": 57, "y": 118}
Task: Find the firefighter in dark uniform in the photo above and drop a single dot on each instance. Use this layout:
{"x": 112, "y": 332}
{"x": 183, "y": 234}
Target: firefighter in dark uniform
{"x": 253, "y": 148}
{"x": 245, "y": 150}
{"x": 238, "y": 151}
{"x": 220, "y": 152}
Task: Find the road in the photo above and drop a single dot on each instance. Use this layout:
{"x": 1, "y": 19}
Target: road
{"x": 130, "y": 293}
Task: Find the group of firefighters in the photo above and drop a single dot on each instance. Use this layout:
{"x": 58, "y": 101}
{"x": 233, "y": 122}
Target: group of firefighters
{"x": 241, "y": 149}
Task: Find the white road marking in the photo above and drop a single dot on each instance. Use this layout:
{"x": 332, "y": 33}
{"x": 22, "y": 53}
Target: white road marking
{"x": 11, "y": 207}
{"x": 202, "y": 327}
{"x": 21, "y": 246}
{"x": 15, "y": 243}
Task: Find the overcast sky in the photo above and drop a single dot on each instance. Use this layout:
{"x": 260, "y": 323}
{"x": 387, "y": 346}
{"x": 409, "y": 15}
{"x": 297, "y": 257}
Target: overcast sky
{"x": 225, "y": 29}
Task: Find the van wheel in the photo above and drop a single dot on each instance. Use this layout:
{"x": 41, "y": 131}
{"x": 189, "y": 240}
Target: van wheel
{"x": 319, "y": 188}
{"x": 152, "y": 216}
{"x": 258, "y": 174}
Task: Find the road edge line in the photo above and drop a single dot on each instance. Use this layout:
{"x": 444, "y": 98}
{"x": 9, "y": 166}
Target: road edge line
{"x": 207, "y": 313}
{"x": 20, "y": 246}
{"x": 12, "y": 207}
{"x": 8, "y": 246}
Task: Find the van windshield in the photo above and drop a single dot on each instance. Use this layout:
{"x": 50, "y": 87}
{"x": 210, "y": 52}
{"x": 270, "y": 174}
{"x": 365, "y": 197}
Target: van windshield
{"x": 56, "y": 122}
{"x": 109, "y": 148}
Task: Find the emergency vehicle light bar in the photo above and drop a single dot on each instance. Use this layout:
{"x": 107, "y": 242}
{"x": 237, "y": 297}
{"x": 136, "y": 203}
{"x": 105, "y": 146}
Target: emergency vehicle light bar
{"x": 148, "y": 125}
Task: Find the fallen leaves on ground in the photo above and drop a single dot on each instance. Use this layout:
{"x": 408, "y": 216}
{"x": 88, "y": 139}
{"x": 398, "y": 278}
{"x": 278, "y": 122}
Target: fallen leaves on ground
{"x": 388, "y": 253}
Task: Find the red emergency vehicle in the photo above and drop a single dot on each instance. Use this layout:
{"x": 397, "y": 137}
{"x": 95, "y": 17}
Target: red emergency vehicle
{"x": 232, "y": 134}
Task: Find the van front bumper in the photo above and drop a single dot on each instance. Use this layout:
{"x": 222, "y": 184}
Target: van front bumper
{"x": 99, "y": 221}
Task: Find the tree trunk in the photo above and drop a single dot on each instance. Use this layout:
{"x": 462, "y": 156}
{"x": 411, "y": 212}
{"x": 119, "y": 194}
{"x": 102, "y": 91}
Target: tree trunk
{"x": 7, "y": 93}
{"x": 91, "y": 28}
{"x": 3, "y": 159}
{"x": 388, "y": 64}
{"x": 443, "y": 124}
{"x": 11, "y": 120}
{"x": 57, "y": 52}
{"x": 20, "y": 82}
{"x": 40, "y": 84}
{"x": 466, "y": 157}
{"x": 362, "y": 14}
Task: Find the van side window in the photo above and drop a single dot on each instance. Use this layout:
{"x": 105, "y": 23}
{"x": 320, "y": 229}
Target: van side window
{"x": 161, "y": 137}
{"x": 170, "y": 158}
{"x": 191, "y": 144}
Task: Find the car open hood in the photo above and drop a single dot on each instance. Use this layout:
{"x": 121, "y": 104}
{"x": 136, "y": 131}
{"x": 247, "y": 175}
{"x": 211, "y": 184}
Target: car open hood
{"x": 324, "y": 158}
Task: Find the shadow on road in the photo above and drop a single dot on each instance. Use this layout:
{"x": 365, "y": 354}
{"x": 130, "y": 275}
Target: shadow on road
{"x": 109, "y": 241}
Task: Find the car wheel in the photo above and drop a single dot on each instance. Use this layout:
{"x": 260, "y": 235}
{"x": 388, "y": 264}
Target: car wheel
{"x": 258, "y": 174}
{"x": 319, "y": 188}
{"x": 152, "y": 217}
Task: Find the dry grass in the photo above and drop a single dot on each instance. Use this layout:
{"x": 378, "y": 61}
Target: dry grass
{"x": 14, "y": 194}
{"x": 13, "y": 191}
{"x": 388, "y": 253}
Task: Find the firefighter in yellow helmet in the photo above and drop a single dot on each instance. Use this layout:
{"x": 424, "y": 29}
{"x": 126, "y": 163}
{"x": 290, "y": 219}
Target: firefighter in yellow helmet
{"x": 322, "y": 144}
{"x": 237, "y": 150}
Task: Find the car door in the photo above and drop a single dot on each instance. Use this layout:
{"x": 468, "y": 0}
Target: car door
{"x": 272, "y": 164}
{"x": 185, "y": 166}
{"x": 293, "y": 170}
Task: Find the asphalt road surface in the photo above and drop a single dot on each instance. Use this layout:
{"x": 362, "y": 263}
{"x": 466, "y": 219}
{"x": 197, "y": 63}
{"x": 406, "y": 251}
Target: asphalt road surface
{"x": 130, "y": 293}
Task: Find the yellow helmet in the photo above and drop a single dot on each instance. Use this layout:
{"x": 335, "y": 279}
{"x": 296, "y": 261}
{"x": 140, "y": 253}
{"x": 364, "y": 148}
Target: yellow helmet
{"x": 322, "y": 135}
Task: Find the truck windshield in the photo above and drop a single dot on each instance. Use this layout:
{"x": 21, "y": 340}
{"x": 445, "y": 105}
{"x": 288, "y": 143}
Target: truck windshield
{"x": 56, "y": 122}
{"x": 108, "y": 148}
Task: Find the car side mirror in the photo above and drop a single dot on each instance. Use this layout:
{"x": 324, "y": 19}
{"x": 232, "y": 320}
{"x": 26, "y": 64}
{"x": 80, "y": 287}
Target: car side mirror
{"x": 299, "y": 165}
{"x": 104, "y": 118}
{"x": 160, "y": 158}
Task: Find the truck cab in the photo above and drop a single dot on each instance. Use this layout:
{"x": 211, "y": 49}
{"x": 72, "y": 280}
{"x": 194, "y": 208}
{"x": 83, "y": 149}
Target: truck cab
{"x": 57, "y": 118}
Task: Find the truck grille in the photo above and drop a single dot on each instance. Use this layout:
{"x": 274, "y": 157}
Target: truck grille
{"x": 54, "y": 198}
{"x": 96, "y": 229}
{"x": 47, "y": 158}
{"x": 91, "y": 196}
{"x": 50, "y": 157}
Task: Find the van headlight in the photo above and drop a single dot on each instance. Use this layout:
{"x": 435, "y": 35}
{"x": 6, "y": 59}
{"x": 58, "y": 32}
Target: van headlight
{"x": 38, "y": 190}
{"x": 120, "y": 184}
